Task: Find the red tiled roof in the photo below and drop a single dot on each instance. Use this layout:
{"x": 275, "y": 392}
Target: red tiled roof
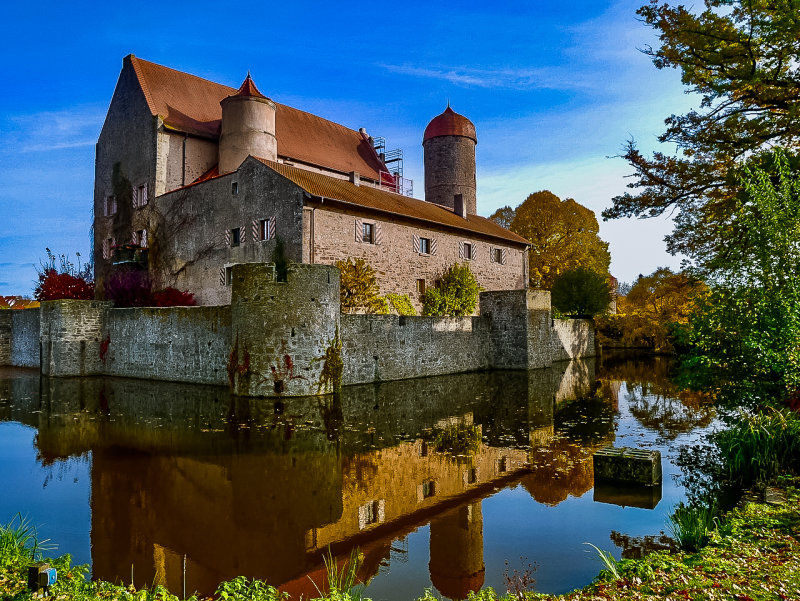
{"x": 450, "y": 123}
{"x": 248, "y": 88}
{"x": 191, "y": 104}
{"x": 376, "y": 199}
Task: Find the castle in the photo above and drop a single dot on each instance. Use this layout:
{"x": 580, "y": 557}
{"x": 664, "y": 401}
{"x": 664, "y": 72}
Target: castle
{"x": 206, "y": 176}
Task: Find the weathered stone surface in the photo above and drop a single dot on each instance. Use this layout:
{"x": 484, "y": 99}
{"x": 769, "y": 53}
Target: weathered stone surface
{"x": 623, "y": 464}
{"x": 25, "y": 325}
{"x": 273, "y": 339}
{"x": 174, "y": 344}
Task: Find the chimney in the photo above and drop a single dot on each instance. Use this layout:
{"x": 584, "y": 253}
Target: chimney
{"x": 355, "y": 178}
{"x": 459, "y": 207}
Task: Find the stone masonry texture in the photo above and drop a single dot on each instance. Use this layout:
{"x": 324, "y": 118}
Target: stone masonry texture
{"x": 273, "y": 339}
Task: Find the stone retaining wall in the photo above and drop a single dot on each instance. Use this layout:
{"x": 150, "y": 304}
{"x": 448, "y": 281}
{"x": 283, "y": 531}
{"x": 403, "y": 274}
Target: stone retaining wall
{"x": 277, "y": 337}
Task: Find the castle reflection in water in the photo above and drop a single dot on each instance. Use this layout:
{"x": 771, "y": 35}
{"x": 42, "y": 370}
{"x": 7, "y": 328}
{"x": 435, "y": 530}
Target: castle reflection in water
{"x": 264, "y": 488}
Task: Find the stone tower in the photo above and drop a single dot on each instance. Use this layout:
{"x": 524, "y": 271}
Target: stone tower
{"x": 449, "y": 147}
{"x": 248, "y": 127}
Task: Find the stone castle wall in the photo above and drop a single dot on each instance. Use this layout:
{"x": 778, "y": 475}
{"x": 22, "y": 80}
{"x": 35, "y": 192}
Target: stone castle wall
{"x": 277, "y": 338}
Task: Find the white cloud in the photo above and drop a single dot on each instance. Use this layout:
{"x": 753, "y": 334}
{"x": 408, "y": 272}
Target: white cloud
{"x": 74, "y": 127}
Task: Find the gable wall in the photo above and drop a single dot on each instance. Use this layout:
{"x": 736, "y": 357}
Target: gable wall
{"x": 191, "y": 223}
{"x": 182, "y": 159}
{"x": 128, "y": 139}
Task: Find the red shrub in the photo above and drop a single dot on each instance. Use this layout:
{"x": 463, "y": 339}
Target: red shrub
{"x": 172, "y": 297}
{"x": 53, "y": 285}
{"x": 128, "y": 289}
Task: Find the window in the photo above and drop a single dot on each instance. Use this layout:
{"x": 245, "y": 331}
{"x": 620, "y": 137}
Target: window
{"x": 425, "y": 246}
{"x": 471, "y": 476}
{"x": 264, "y": 229}
{"x": 502, "y": 464}
{"x": 368, "y": 233}
{"x": 420, "y": 286}
{"x": 228, "y": 276}
{"x": 498, "y": 255}
{"x": 371, "y": 512}
{"x": 141, "y": 238}
{"x": 142, "y": 195}
{"x": 423, "y": 449}
{"x": 110, "y": 207}
{"x": 234, "y": 188}
{"x": 236, "y": 237}
{"x": 428, "y": 489}
{"x": 468, "y": 251}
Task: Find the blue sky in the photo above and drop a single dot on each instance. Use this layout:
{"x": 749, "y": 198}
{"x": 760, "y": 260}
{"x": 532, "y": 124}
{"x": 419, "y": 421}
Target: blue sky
{"x": 553, "y": 89}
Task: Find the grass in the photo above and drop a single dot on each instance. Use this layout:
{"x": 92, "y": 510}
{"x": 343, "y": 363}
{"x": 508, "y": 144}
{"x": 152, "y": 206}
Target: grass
{"x": 691, "y": 525}
{"x": 758, "y": 447}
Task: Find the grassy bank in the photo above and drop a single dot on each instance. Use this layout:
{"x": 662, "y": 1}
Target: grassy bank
{"x": 753, "y": 554}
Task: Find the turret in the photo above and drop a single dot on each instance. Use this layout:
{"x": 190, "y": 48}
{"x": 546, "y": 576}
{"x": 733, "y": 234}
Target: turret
{"x": 248, "y": 127}
{"x": 449, "y": 147}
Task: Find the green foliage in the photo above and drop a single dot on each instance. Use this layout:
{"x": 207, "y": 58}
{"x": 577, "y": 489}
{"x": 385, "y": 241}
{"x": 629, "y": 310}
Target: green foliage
{"x": 241, "y": 589}
{"x": 19, "y": 542}
{"x": 330, "y": 378}
{"x": 401, "y": 303}
{"x": 456, "y": 295}
{"x": 758, "y": 447}
{"x": 342, "y": 583}
{"x": 691, "y": 525}
{"x": 358, "y": 288}
{"x": 608, "y": 560}
{"x": 736, "y": 55}
{"x": 280, "y": 261}
{"x": 744, "y": 336}
{"x": 564, "y": 235}
{"x": 581, "y": 292}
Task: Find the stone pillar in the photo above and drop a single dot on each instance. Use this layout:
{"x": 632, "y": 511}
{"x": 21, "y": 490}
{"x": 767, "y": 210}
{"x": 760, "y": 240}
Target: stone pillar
{"x": 71, "y": 337}
{"x": 456, "y": 564}
{"x": 5, "y": 337}
{"x": 520, "y": 328}
{"x": 283, "y": 333}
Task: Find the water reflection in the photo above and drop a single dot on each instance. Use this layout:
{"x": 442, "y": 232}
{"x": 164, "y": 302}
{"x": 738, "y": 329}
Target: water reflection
{"x": 264, "y": 488}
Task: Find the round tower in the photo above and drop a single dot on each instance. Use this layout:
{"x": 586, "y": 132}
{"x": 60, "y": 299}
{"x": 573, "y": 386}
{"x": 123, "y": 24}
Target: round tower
{"x": 456, "y": 552}
{"x": 248, "y": 127}
{"x": 449, "y": 148}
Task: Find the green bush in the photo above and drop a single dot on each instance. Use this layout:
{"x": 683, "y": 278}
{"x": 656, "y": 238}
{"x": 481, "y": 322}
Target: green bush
{"x": 456, "y": 295}
{"x": 581, "y": 292}
{"x": 401, "y": 303}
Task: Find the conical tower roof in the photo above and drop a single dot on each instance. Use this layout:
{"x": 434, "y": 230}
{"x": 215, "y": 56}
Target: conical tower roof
{"x": 450, "y": 123}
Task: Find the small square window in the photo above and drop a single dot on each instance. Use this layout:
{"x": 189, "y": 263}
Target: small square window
{"x": 234, "y": 188}
{"x": 425, "y": 246}
{"x": 421, "y": 286}
{"x": 228, "y": 276}
{"x": 468, "y": 250}
{"x": 368, "y": 233}
{"x": 497, "y": 255}
{"x": 236, "y": 237}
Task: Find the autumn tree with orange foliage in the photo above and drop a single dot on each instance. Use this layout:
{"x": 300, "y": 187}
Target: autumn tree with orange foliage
{"x": 564, "y": 235}
{"x": 648, "y": 315}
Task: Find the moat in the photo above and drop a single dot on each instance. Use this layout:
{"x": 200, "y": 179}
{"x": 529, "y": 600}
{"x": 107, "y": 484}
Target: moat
{"x": 438, "y": 481}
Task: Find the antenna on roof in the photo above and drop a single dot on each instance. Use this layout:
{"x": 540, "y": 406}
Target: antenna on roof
{"x": 248, "y": 75}
{"x": 448, "y": 103}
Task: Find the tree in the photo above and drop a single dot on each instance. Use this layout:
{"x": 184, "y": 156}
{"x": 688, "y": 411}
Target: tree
{"x": 741, "y": 57}
{"x": 358, "y": 288}
{"x": 563, "y": 235}
{"x": 648, "y": 315}
{"x": 456, "y": 294}
{"x": 745, "y": 337}
{"x": 581, "y": 292}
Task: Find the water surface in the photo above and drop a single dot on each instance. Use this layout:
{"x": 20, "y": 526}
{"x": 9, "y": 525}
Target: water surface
{"x": 447, "y": 482}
